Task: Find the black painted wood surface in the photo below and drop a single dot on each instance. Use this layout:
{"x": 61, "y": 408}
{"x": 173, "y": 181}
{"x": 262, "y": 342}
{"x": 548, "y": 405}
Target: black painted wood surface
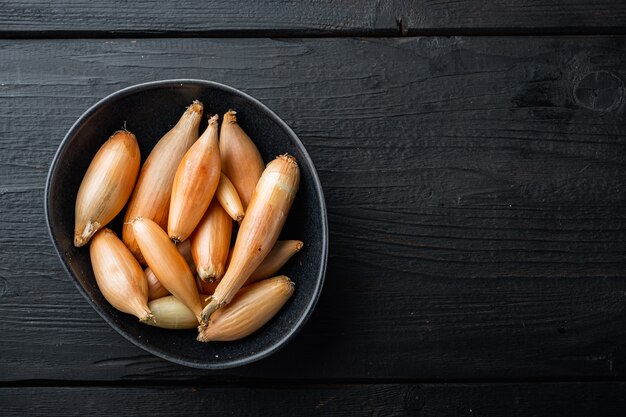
{"x": 35, "y": 18}
{"x": 474, "y": 190}
{"x": 424, "y": 400}
{"x": 475, "y": 193}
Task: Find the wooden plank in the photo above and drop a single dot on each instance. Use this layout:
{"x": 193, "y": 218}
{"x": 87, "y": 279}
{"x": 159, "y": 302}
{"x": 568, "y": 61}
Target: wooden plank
{"x": 440, "y": 400}
{"x": 215, "y": 18}
{"x": 474, "y": 190}
{"x": 287, "y": 18}
{"x": 510, "y": 17}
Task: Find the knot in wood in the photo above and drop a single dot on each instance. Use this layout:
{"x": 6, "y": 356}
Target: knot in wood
{"x": 413, "y": 399}
{"x": 599, "y": 91}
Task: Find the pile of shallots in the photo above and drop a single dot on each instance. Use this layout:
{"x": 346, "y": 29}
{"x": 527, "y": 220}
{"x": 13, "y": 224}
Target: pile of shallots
{"x": 179, "y": 222}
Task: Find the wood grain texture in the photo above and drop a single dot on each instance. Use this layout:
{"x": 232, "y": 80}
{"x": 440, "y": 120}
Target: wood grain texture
{"x": 273, "y": 17}
{"x": 509, "y": 16}
{"x": 437, "y": 400}
{"x": 38, "y": 18}
{"x": 475, "y": 193}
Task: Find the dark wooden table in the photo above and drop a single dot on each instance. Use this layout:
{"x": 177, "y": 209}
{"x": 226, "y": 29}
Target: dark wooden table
{"x": 473, "y": 160}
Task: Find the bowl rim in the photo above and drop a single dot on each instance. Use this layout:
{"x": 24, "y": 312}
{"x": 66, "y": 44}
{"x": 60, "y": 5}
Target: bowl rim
{"x": 127, "y": 91}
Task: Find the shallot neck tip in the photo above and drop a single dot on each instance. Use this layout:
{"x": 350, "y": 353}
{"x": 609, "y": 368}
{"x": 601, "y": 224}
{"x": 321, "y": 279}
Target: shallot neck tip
{"x": 230, "y": 116}
{"x": 133, "y": 220}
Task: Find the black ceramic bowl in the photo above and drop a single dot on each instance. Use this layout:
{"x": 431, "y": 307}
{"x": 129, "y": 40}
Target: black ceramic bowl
{"x": 149, "y": 110}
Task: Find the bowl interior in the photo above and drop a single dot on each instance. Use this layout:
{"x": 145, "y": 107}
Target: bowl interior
{"x": 148, "y": 111}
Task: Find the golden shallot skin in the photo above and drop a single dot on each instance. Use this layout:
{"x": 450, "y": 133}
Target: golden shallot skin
{"x": 227, "y": 195}
{"x": 170, "y": 313}
{"x": 210, "y": 243}
{"x": 151, "y": 198}
{"x": 282, "y": 251}
{"x": 195, "y": 183}
{"x": 280, "y": 254}
{"x": 252, "y": 307}
{"x": 118, "y": 275}
{"x": 155, "y": 288}
{"x": 107, "y": 185}
{"x": 168, "y": 265}
{"x": 205, "y": 287}
{"x": 241, "y": 160}
{"x": 259, "y": 229}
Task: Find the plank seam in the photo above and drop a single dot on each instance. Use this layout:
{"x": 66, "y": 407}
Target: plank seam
{"x": 228, "y": 382}
{"x": 401, "y": 31}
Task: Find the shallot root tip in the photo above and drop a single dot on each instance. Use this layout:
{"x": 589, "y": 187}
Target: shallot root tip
{"x": 149, "y": 318}
{"x": 207, "y": 274}
{"x": 82, "y": 237}
{"x": 78, "y": 241}
{"x": 201, "y": 334}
